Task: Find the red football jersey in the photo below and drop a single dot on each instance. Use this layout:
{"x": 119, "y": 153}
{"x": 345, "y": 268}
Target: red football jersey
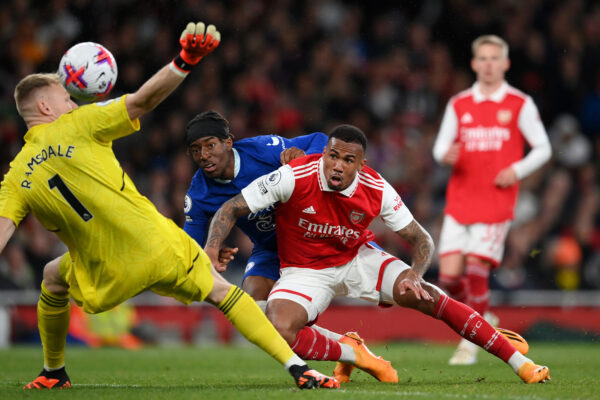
{"x": 491, "y": 137}
{"x": 316, "y": 226}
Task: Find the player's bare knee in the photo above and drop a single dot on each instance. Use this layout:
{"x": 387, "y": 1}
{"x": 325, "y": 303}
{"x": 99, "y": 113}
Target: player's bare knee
{"x": 284, "y": 322}
{"x": 428, "y": 306}
{"x": 410, "y": 300}
{"x": 471, "y": 259}
{"x": 258, "y": 287}
{"x": 452, "y": 264}
{"x": 52, "y": 279}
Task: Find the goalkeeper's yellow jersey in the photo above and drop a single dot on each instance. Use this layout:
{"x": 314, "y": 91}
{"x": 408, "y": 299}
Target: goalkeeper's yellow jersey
{"x": 68, "y": 176}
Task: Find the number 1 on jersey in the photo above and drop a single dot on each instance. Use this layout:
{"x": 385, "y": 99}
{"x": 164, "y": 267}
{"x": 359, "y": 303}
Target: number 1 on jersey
{"x": 57, "y": 182}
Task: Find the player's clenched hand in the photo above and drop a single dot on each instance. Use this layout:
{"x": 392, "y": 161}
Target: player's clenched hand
{"x": 197, "y": 41}
{"x": 506, "y": 177}
{"x": 220, "y": 258}
{"x": 412, "y": 281}
{"x": 289, "y": 154}
{"x": 227, "y": 254}
{"x": 452, "y": 154}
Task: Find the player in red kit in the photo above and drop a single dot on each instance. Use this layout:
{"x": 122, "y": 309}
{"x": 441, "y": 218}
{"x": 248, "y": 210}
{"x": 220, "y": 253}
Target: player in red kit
{"x": 482, "y": 136}
{"x": 325, "y": 205}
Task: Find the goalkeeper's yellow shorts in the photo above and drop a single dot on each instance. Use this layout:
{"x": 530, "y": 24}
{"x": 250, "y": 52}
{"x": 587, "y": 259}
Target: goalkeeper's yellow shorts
{"x": 184, "y": 273}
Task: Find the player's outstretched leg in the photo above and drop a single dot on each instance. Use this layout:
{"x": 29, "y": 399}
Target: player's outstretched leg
{"x": 472, "y": 326}
{"x": 56, "y": 379}
{"x": 252, "y": 323}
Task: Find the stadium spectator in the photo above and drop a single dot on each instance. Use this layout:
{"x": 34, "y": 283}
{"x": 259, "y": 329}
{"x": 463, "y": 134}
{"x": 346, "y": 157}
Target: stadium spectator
{"x": 225, "y": 167}
{"x": 566, "y": 209}
{"x": 119, "y": 245}
{"x": 326, "y": 204}
{"x": 482, "y": 137}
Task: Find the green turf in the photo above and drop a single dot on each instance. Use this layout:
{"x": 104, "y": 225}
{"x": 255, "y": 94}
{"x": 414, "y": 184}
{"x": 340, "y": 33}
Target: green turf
{"x": 245, "y": 373}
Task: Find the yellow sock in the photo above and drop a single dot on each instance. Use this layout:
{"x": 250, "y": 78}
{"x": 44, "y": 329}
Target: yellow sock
{"x": 53, "y": 313}
{"x": 248, "y": 318}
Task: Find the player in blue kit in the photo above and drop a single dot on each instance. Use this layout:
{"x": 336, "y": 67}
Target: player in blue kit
{"x": 225, "y": 168}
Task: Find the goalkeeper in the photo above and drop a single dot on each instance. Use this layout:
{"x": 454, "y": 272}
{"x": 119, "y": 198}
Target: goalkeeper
{"x": 119, "y": 245}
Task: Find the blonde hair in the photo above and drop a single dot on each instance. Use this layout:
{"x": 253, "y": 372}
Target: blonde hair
{"x": 490, "y": 39}
{"x": 31, "y": 83}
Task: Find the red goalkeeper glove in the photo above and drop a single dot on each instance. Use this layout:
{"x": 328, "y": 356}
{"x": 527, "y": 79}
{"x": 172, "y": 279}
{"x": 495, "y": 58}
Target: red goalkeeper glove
{"x": 196, "y": 42}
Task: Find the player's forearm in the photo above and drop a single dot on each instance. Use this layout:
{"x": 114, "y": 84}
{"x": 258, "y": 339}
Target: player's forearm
{"x": 7, "y": 228}
{"x": 153, "y": 92}
{"x": 534, "y": 160}
{"x": 224, "y": 219}
{"x": 422, "y": 246}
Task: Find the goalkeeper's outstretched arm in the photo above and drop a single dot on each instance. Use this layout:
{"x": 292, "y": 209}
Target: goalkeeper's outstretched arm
{"x": 196, "y": 42}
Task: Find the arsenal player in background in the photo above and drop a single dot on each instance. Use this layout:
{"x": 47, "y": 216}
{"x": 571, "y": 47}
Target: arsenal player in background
{"x": 482, "y": 136}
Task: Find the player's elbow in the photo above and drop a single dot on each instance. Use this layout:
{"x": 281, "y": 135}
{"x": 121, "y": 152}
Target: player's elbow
{"x": 545, "y": 152}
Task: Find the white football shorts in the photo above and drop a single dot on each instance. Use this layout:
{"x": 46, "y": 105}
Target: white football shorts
{"x": 485, "y": 241}
{"x": 369, "y": 276}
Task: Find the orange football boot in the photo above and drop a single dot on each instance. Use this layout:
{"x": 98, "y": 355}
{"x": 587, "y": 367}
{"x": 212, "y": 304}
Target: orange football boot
{"x": 533, "y": 373}
{"x": 57, "y": 379}
{"x": 378, "y": 367}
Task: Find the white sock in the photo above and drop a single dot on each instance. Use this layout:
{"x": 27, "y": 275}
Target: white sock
{"x": 295, "y": 360}
{"x": 348, "y": 354}
{"x": 517, "y": 360}
{"x": 52, "y": 369}
{"x": 331, "y": 335}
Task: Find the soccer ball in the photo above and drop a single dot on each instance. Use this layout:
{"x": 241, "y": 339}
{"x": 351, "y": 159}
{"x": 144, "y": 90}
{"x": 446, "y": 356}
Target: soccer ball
{"x": 88, "y": 71}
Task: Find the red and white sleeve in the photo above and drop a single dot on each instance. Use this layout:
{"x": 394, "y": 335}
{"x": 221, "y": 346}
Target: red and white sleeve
{"x": 268, "y": 189}
{"x": 534, "y": 132}
{"x": 447, "y": 134}
{"x": 394, "y": 212}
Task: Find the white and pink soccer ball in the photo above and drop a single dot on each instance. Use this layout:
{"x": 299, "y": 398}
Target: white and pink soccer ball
{"x": 88, "y": 71}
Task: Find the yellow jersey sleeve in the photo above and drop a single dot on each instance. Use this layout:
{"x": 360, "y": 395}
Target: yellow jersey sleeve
{"x": 99, "y": 119}
{"x": 12, "y": 204}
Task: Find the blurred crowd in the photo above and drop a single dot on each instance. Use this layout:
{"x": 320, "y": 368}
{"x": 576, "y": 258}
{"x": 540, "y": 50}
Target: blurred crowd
{"x": 293, "y": 67}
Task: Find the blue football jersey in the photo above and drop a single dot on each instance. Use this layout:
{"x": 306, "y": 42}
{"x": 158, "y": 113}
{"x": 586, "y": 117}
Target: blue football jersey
{"x": 255, "y": 156}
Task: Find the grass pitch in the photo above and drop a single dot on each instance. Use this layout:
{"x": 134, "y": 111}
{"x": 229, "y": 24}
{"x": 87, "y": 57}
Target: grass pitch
{"x": 246, "y": 373}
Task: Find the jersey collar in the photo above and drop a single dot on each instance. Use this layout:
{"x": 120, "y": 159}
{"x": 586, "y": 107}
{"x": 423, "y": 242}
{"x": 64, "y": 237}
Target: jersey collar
{"x": 236, "y": 167}
{"x": 496, "y": 97}
{"x": 30, "y": 133}
{"x": 348, "y": 192}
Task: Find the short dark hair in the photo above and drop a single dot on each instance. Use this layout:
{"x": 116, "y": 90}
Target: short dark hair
{"x": 349, "y": 134}
{"x": 207, "y": 123}
{"x": 30, "y": 84}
